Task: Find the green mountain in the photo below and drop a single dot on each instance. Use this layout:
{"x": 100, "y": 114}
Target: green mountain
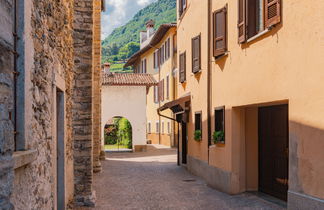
{"x": 124, "y": 41}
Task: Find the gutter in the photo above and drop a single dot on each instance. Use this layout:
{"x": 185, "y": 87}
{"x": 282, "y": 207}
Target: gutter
{"x": 209, "y": 67}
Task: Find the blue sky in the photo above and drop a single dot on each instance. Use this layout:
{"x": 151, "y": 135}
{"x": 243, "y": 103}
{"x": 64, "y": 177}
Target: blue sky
{"x": 119, "y": 12}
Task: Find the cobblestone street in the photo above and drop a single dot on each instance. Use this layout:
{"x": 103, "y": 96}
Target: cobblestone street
{"x": 152, "y": 180}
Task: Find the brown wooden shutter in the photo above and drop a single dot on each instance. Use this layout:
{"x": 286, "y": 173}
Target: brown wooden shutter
{"x": 180, "y": 7}
{"x": 220, "y": 31}
{"x": 241, "y": 21}
{"x": 162, "y": 91}
{"x": 272, "y": 12}
{"x": 154, "y": 60}
{"x": 182, "y": 71}
{"x": 168, "y": 87}
{"x": 196, "y": 54}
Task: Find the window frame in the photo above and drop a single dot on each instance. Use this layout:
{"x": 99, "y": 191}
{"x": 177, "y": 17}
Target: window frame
{"x": 217, "y": 52}
{"x": 217, "y": 109}
{"x": 200, "y": 121}
{"x": 182, "y": 69}
{"x": 193, "y": 58}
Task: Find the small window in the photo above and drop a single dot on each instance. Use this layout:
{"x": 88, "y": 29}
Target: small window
{"x": 220, "y": 120}
{"x": 156, "y": 94}
{"x": 196, "y": 50}
{"x": 162, "y": 54}
{"x": 143, "y": 66}
{"x": 198, "y": 123}
{"x": 149, "y": 127}
{"x": 182, "y": 67}
{"x": 174, "y": 44}
{"x": 157, "y": 129}
{"x": 220, "y": 32}
{"x": 255, "y": 16}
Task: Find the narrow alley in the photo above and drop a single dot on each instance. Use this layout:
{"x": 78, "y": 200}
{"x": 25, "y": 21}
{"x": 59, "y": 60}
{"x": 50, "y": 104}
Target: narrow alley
{"x": 152, "y": 180}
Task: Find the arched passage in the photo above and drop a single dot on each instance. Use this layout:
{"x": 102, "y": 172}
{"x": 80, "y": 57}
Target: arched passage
{"x": 118, "y": 134}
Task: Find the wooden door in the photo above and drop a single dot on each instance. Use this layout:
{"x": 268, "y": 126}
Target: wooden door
{"x": 184, "y": 142}
{"x": 273, "y": 151}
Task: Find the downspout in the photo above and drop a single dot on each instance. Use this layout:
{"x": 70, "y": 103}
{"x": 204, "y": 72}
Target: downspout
{"x": 209, "y": 89}
{"x": 15, "y": 72}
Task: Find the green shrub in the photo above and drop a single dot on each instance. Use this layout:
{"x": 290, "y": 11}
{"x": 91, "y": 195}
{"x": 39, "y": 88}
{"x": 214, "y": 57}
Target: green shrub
{"x": 197, "y": 135}
{"x": 219, "y": 137}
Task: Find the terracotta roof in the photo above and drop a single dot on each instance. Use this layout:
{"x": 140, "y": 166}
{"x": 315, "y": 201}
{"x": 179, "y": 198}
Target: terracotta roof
{"x": 157, "y": 37}
{"x": 128, "y": 79}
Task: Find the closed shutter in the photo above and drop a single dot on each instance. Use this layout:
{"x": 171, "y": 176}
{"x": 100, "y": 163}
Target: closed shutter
{"x": 182, "y": 67}
{"x": 154, "y": 60}
{"x": 145, "y": 66}
{"x": 162, "y": 90}
{"x": 169, "y": 48}
{"x": 167, "y": 87}
{"x": 196, "y": 54}
{"x": 180, "y": 7}
{"x": 241, "y": 21}
{"x": 272, "y": 12}
{"x": 220, "y": 32}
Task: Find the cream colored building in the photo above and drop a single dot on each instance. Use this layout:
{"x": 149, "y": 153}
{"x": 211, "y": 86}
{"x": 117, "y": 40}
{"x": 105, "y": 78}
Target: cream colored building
{"x": 252, "y": 71}
{"x": 158, "y": 57}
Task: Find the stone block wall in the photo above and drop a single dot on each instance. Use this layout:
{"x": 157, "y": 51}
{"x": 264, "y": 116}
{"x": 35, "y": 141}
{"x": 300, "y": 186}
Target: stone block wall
{"x": 6, "y": 103}
{"x": 82, "y": 103}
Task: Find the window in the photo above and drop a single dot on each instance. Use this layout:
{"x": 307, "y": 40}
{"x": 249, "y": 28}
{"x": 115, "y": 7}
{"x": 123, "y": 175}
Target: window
{"x": 255, "y": 16}
{"x": 220, "y": 119}
{"x": 182, "y": 67}
{"x": 198, "y": 121}
{"x": 174, "y": 44}
{"x": 157, "y": 129}
{"x": 167, "y": 49}
{"x": 196, "y": 50}
{"x": 143, "y": 65}
{"x": 167, "y": 87}
{"x": 220, "y": 32}
{"x": 182, "y": 6}
{"x": 149, "y": 127}
{"x": 162, "y": 54}
{"x": 161, "y": 90}
{"x": 154, "y": 60}
{"x": 156, "y": 90}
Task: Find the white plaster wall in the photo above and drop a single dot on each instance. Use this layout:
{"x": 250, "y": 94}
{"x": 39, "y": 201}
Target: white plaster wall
{"x": 128, "y": 102}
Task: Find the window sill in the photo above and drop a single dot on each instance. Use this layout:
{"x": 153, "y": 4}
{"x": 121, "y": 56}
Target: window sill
{"x": 22, "y": 158}
{"x": 220, "y": 56}
{"x": 258, "y": 35}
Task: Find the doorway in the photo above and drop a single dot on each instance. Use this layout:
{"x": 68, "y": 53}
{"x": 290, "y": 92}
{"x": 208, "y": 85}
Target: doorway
{"x": 60, "y": 147}
{"x": 273, "y": 150}
{"x": 184, "y": 136}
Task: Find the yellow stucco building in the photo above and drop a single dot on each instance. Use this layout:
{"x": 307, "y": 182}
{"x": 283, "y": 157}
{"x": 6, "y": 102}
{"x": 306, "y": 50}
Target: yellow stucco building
{"x": 158, "y": 57}
{"x": 250, "y": 81}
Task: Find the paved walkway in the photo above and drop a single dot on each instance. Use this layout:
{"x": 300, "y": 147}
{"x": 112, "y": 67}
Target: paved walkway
{"x": 152, "y": 180}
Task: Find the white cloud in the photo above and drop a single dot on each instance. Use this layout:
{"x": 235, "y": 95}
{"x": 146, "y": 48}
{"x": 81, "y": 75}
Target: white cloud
{"x": 119, "y": 12}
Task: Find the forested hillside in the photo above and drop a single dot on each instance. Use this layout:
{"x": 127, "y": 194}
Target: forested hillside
{"x": 124, "y": 41}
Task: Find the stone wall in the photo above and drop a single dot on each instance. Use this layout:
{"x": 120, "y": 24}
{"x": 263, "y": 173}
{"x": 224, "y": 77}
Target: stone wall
{"x": 82, "y": 103}
{"x": 48, "y": 25}
{"x": 6, "y": 103}
{"x": 96, "y": 106}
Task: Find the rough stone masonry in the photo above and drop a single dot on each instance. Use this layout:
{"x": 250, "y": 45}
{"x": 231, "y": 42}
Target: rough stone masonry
{"x": 57, "y": 51}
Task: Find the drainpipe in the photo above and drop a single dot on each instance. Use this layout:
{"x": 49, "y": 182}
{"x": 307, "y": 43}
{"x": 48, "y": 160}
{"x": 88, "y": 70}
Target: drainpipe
{"x": 15, "y": 72}
{"x": 209, "y": 89}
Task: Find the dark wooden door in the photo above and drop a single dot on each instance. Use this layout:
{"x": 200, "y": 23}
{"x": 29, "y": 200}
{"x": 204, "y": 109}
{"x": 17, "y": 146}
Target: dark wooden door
{"x": 184, "y": 142}
{"x": 273, "y": 151}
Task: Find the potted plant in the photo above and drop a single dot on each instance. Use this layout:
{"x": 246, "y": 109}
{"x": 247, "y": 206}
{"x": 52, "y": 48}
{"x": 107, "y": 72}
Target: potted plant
{"x": 197, "y": 135}
{"x": 219, "y": 137}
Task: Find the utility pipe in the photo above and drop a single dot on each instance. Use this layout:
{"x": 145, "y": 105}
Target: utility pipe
{"x": 15, "y": 72}
{"x": 209, "y": 75}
